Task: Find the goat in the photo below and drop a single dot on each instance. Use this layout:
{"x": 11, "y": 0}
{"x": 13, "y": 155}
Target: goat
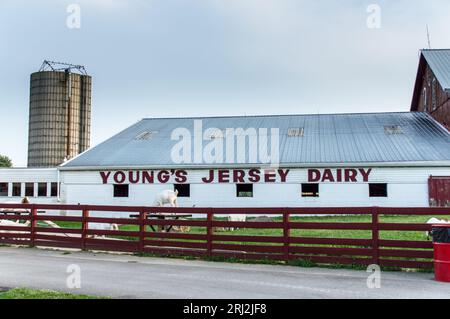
{"x": 433, "y": 221}
{"x": 15, "y": 224}
{"x": 236, "y": 218}
{"x": 102, "y": 226}
{"x": 9, "y": 223}
{"x": 167, "y": 197}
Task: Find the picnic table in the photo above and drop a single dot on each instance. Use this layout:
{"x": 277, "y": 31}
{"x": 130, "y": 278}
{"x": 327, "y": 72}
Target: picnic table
{"x": 17, "y": 211}
{"x": 165, "y": 228}
{"x": 14, "y": 211}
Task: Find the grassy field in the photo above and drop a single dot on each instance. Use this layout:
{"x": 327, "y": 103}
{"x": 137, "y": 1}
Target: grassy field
{"x": 355, "y": 234}
{"x": 362, "y": 234}
{"x": 25, "y": 293}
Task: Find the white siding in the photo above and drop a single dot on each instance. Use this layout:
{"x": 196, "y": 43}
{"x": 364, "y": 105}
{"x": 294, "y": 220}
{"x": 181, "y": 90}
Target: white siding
{"x": 406, "y": 187}
{"x": 29, "y": 175}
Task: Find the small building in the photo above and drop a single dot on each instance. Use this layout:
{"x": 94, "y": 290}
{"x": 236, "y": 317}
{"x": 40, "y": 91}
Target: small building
{"x": 432, "y": 87}
{"x": 40, "y": 185}
{"x": 374, "y": 159}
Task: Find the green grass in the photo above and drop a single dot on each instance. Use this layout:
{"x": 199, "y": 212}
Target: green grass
{"x": 25, "y": 293}
{"x": 355, "y": 234}
{"x": 321, "y": 233}
{"x": 362, "y": 234}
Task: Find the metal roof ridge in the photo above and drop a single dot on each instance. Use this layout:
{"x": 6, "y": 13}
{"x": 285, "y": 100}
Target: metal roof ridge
{"x": 421, "y": 163}
{"x": 435, "y": 50}
{"x": 272, "y": 115}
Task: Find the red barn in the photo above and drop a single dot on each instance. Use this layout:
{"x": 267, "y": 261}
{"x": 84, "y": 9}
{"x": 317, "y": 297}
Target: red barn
{"x": 432, "y": 88}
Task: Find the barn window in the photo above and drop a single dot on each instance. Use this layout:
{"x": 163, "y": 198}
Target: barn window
{"x": 378, "y": 190}
{"x": 42, "y": 189}
{"x": 433, "y": 94}
{"x": 29, "y": 189}
{"x": 184, "y": 190}
{"x": 3, "y": 189}
{"x": 244, "y": 190}
{"x": 310, "y": 190}
{"x": 425, "y": 100}
{"x": 121, "y": 190}
{"x": 17, "y": 189}
{"x": 54, "y": 189}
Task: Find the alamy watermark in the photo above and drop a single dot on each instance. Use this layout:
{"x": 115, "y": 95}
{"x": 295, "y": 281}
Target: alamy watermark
{"x": 374, "y": 19}
{"x": 374, "y": 279}
{"x": 73, "y": 280}
{"x": 225, "y": 146}
{"x": 73, "y": 20}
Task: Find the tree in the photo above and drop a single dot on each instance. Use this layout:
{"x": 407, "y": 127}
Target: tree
{"x": 5, "y": 161}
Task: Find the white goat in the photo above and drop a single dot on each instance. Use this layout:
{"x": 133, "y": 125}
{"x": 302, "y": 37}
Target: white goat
{"x": 236, "y": 218}
{"x": 433, "y": 221}
{"x": 167, "y": 197}
{"x": 10, "y": 223}
{"x": 103, "y": 226}
{"x": 6, "y": 222}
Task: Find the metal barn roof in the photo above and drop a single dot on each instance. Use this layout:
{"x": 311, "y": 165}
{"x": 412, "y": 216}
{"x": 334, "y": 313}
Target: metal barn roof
{"x": 439, "y": 62}
{"x": 409, "y": 138}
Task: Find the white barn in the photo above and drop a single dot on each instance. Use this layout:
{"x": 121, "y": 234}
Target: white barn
{"x": 375, "y": 159}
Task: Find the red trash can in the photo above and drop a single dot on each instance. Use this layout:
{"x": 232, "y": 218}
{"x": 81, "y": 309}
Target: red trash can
{"x": 441, "y": 245}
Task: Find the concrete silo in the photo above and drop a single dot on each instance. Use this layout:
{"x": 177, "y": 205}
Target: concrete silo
{"x": 60, "y": 114}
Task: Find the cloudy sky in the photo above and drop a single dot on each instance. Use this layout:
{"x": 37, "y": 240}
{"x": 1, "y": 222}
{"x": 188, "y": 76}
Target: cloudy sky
{"x": 161, "y": 58}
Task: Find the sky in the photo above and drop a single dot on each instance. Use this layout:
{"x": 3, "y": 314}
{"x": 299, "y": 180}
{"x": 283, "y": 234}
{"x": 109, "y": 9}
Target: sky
{"x": 175, "y": 58}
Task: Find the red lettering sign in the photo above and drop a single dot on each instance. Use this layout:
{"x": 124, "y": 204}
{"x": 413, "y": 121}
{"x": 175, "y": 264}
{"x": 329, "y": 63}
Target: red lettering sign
{"x": 119, "y": 177}
{"x": 133, "y": 177}
{"x": 105, "y": 176}
{"x": 210, "y": 178}
{"x": 254, "y": 175}
{"x": 224, "y": 176}
{"x": 148, "y": 177}
{"x": 313, "y": 175}
{"x": 181, "y": 177}
{"x": 238, "y": 176}
{"x": 325, "y": 175}
{"x": 163, "y": 176}
{"x": 269, "y": 176}
{"x": 347, "y": 175}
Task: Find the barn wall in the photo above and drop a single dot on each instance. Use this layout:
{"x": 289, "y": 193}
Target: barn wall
{"x": 406, "y": 187}
{"x": 442, "y": 111}
{"x": 29, "y": 175}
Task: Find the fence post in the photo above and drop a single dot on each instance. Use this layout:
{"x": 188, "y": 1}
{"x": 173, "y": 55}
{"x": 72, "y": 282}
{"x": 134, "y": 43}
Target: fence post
{"x": 375, "y": 236}
{"x": 286, "y": 234}
{"x": 141, "y": 230}
{"x": 33, "y": 224}
{"x": 209, "y": 232}
{"x": 84, "y": 228}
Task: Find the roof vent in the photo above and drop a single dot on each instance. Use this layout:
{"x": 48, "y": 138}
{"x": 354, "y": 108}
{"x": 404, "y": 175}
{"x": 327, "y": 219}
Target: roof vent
{"x": 393, "y": 129}
{"x": 145, "y": 135}
{"x": 296, "y": 132}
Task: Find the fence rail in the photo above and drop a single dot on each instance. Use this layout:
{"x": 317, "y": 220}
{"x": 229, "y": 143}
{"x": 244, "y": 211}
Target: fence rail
{"x": 282, "y": 239}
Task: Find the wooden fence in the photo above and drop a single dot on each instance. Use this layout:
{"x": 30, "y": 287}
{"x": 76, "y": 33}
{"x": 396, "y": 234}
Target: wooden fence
{"x": 279, "y": 239}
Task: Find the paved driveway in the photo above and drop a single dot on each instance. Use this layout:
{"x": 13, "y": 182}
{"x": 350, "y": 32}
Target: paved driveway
{"x": 125, "y": 276}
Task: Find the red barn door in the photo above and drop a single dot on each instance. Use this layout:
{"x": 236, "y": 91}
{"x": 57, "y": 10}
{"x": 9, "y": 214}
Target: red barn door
{"x": 439, "y": 191}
